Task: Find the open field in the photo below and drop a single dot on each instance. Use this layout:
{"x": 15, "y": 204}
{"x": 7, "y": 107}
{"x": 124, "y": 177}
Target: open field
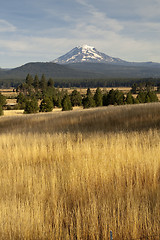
{"x": 80, "y": 174}
{"x": 8, "y": 92}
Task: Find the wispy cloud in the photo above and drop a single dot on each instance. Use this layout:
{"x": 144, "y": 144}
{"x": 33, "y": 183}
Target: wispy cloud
{"x": 6, "y": 26}
{"x": 99, "y": 18}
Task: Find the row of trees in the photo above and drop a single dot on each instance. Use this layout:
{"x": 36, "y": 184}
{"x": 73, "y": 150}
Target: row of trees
{"x": 42, "y": 96}
{"x": 113, "y": 97}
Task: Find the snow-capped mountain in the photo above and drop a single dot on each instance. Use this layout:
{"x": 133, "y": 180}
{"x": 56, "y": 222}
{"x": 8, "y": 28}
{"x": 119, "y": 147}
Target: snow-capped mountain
{"x": 86, "y": 53}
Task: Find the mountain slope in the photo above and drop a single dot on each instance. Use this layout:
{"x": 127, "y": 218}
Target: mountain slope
{"x": 110, "y": 70}
{"x": 49, "y": 69}
{"x": 86, "y": 54}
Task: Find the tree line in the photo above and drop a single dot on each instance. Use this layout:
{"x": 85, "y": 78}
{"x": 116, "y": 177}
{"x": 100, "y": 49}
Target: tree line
{"x": 85, "y": 83}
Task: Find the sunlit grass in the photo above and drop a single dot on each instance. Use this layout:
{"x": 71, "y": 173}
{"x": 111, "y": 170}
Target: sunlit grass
{"x": 80, "y": 175}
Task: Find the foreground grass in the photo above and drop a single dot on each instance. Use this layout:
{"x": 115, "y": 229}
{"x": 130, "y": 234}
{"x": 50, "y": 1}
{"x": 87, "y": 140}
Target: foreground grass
{"x": 80, "y": 175}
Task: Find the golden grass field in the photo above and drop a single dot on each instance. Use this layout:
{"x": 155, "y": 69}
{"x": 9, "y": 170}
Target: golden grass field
{"x": 80, "y": 174}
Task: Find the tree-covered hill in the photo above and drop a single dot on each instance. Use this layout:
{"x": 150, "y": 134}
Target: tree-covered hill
{"x": 49, "y": 69}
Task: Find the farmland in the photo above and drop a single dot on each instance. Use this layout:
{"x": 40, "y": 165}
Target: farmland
{"x": 80, "y": 174}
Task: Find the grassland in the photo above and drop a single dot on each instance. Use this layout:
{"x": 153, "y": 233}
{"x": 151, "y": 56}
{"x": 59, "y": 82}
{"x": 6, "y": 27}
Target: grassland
{"x": 80, "y": 174}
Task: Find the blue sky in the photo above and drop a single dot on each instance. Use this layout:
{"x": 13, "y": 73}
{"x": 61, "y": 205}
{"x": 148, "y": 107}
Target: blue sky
{"x": 42, "y": 30}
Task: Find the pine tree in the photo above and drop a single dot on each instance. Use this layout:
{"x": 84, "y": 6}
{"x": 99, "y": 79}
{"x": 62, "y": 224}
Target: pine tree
{"x": 36, "y": 82}
{"x": 88, "y": 101}
{"x": 43, "y": 83}
{"x": 129, "y": 98}
{"x": 98, "y": 97}
{"x": 119, "y": 97}
{"x": 141, "y": 97}
{"x": 151, "y": 97}
{"x": 134, "y": 88}
{"x": 105, "y": 99}
{"x": 46, "y": 105}
{"x": 1, "y": 110}
{"x": 29, "y": 80}
{"x": 66, "y": 103}
{"x": 21, "y": 100}
{"x": 50, "y": 83}
{"x": 31, "y": 106}
{"x": 2, "y": 100}
{"x": 76, "y": 98}
{"x": 111, "y": 97}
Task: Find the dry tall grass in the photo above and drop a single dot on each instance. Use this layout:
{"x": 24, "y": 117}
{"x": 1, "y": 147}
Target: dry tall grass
{"x": 80, "y": 175}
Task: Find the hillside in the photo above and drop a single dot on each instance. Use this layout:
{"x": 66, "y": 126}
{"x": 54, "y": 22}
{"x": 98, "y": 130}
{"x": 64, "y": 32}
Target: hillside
{"x": 49, "y": 69}
{"x": 129, "y": 70}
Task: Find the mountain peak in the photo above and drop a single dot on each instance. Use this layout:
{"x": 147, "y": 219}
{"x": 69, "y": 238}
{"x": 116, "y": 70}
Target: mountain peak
{"x": 86, "y": 47}
{"x": 86, "y": 53}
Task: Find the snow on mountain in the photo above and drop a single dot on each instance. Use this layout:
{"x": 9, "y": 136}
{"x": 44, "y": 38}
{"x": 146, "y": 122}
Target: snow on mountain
{"x": 86, "y": 53}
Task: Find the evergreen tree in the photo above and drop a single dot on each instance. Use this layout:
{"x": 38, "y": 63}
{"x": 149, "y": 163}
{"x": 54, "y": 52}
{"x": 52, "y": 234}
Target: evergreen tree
{"x": 129, "y": 98}
{"x": 31, "y": 106}
{"x": 21, "y": 100}
{"x": 46, "y": 105}
{"x": 36, "y": 82}
{"x": 89, "y": 92}
{"x": 43, "y": 83}
{"x": 98, "y": 97}
{"x": 141, "y": 97}
{"x": 111, "y": 97}
{"x": 76, "y": 98}
{"x": 66, "y": 103}
{"x": 134, "y": 88}
{"x": 2, "y": 100}
{"x": 50, "y": 83}
{"x": 58, "y": 101}
{"x": 1, "y": 110}
{"x": 151, "y": 97}
{"x": 119, "y": 97}
{"x": 135, "y": 100}
{"x": 88, "y": 101}
{"x": 105, "y": 99}
{"x": 29, "y": 80}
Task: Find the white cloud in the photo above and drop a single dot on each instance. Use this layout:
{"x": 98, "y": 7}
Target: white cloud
{"x": 6, "y": 26}
{"x": 99, "y": 18}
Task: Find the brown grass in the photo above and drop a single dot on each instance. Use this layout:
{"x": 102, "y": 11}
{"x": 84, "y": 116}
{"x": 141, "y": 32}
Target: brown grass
{"x": 8, "y": 92}
{"x": 78, "y": 175}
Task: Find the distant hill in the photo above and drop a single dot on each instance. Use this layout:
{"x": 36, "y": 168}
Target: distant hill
{"x": 128, "y": 70}
{"x": 49, "y": 69}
